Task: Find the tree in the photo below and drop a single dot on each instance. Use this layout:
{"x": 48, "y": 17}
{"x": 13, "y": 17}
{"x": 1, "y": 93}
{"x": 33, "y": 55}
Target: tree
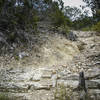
{"x": 57, "y": 14}
{"x": 72, "y": 12}
{"x": 16, "y": 13}
{"x": 61, "y": 4}
{"x": 94, "y": 4}
{"x": 95, "y": 7}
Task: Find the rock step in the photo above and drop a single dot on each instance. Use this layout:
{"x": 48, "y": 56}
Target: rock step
{"x": 24, "y": 87}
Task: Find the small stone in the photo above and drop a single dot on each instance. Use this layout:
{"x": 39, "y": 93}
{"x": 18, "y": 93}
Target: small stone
{"x": 23, "y": 54}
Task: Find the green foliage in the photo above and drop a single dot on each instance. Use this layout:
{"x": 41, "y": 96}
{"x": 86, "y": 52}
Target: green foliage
{"x": 82, "y": 22}
{"x": 64, "y": 30}
{"x": 77, "y": 19}
{"x": 94, "y": 4}
{"x": 47, "y": 1}
{"x": 20, "y": 17}
{"x": 95, "y": 7}
{"x": 12, "y": 36}
{"x": 60, "y": 94}
{"x": 58, "y": 18}
{"x": 68, "y": 22}
{"x": 72, "y": 12}
{"x": 66, "y": 93}
{"x": 61, "y": 4}
{"x": 16, "y": 57}
{"x": 60, "y": 21}
{"x": 86, "y": 29}
{"x": 4, "y": 97}
{"x": 96, "y": 27}
{"x": 35, "y": 20}
{"x": 1, "y": 4}
{"x": 63, "y": 93}
{"x": 14, "y": 18}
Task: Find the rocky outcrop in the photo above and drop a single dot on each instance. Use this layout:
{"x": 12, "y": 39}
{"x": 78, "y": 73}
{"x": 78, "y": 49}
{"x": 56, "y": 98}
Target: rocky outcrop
{"x": 29, "y": 82}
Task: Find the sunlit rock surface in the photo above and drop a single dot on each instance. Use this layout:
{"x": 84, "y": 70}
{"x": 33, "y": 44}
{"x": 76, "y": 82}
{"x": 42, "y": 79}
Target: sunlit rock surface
{"x": 57, "y": 61}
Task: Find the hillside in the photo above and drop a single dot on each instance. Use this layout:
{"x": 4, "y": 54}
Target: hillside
{"x": 46, "y": 48}
{"x": 49, "y": 51}
{"x": 52, "y": 61}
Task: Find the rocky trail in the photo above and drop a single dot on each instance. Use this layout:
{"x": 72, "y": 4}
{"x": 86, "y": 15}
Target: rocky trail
{"x": 29, "y": 82}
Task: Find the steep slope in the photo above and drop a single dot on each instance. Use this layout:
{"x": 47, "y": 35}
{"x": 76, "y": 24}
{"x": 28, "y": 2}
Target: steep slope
{"x": 52, "y": 61}
{"x": 32, "y": 73}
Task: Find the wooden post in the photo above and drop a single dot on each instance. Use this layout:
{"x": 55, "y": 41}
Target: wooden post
{"x": 82, "y": 86}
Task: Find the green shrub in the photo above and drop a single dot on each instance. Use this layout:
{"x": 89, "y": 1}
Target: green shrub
{"x": 63, "y": 93}
{"x": 86, "y": 29}
{"x": 64, "y": 30}
{"x": 96, "y": 27}
{"x": 35, "y": 20}
{"x": 4, "y": 97}
{"x": 60, "y": 94}
{"x": 12, "y": 36}
{"x": 16, "y": 57}
{"x": 58, "y": 18}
